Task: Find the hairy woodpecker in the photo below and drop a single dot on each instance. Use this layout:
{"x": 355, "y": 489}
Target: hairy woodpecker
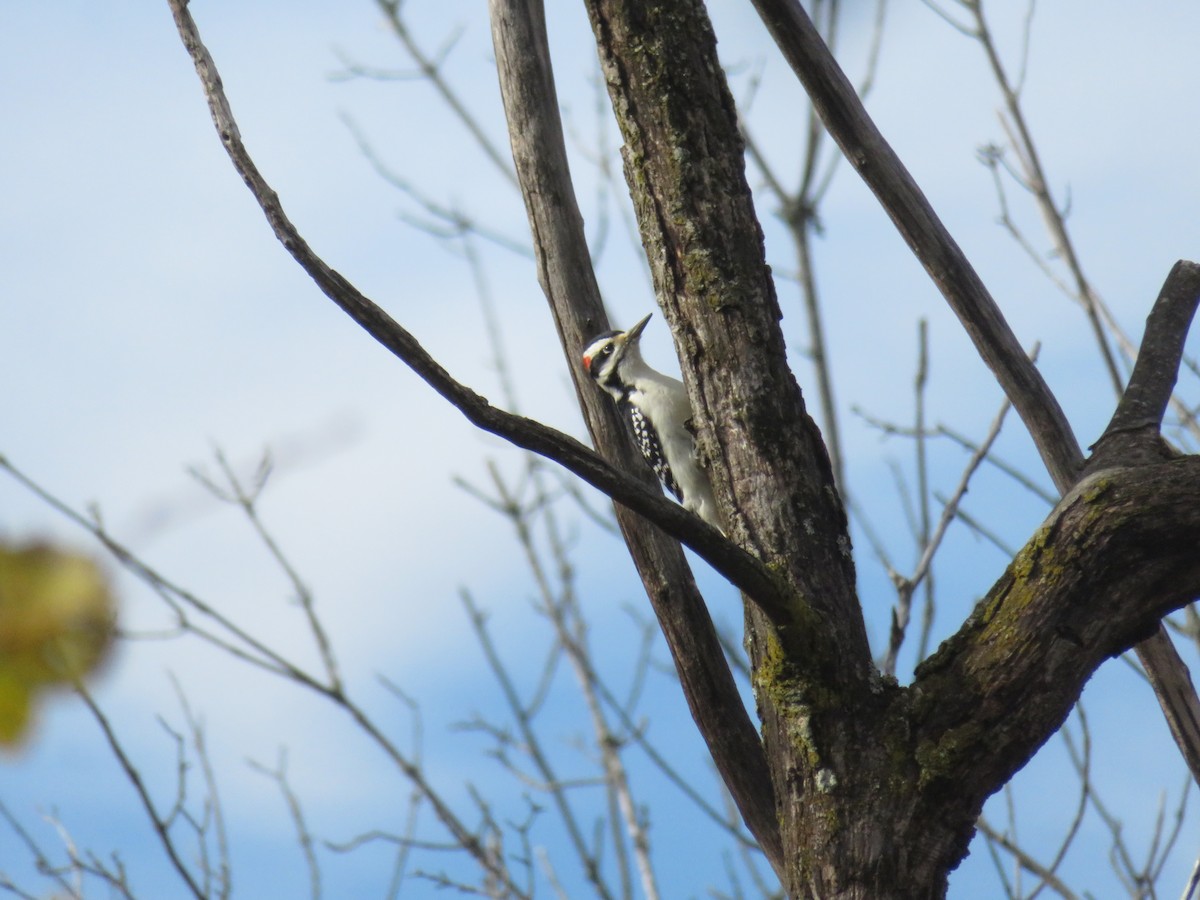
{"x": 661, "y": 414}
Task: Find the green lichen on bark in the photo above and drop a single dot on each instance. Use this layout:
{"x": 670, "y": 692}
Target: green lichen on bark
{"x": 941, "y": 759}
{"x": 1041, "y": 569}
{"x": 679, "y": 124}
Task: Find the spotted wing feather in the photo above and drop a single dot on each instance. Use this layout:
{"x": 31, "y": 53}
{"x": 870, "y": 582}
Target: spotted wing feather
{"x": 651, "y": 447}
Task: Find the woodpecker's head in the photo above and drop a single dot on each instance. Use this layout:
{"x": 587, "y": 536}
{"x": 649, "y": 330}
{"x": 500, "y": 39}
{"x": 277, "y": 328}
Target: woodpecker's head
{"x": 610, "y": 354}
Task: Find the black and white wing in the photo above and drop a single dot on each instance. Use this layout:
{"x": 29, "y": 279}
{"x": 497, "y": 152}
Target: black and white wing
{"x": 650, "y": 445}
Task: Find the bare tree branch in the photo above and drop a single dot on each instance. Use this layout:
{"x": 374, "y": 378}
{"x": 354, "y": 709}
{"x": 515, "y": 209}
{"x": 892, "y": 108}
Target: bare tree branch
{"x": 906, "y": 586}
{"x": 882, "y": 170}
{"x": 1172, "y": 683}
{"x": 1061, "y": 619}
{"x": 551, "y": 783}
{"x": 1027, "y": 862}
{"x": 869, "y": 153}
{"x": 1145, "y": 399}
{"x": 742, "y": 569}
{"x": 161, "y": 825}
{"x": 430, "y": 68}
{"x": 564, "y": 271}
{"x": 1034, "y": 178}
{"x": 303, "y": 836}
{"x": 234, "y": 492}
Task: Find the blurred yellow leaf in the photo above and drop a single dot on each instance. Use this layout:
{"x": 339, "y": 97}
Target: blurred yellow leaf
{"x": 57, "y": 619}
{"x": 15, "y": 702}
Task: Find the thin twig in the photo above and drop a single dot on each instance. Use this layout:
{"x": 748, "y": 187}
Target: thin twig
{"x": 212, "y": 795}
{"x": 906, "y": 586}
{"x": 1193, "y": 882}
{"x": 1027, "y": 862}
{"x": 747, "y": 572}
{"x": 1035, "y": 178}
{"x": 259, "y": 655}
{"x": 431, "y": 69}
{"x": 1085, "y": 781}
{"x": 445, "y": 222}
{"x": 532, "y": 747}
{"x": 247, "y": 502}
{"x": 886, "y": 175}
{"x": 572, "y": 639}
{"x": 134, "y": 776}
{"x": 926, "y": 578}
{"x": 303, "y": 835}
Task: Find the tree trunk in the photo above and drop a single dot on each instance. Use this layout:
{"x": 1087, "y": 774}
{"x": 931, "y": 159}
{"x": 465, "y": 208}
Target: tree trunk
{"x": 877, "y": 786}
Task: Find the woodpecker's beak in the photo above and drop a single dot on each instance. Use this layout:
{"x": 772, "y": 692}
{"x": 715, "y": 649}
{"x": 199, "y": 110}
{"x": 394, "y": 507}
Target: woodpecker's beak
{"x": 632, "y": 335}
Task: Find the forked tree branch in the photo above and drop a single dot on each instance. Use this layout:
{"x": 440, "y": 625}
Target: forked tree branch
{"x": 815, "y": 683}
{"x": 742, "y": 569}
{"x": 1132, "y": 438}
{"x": 684, "y": 163}
{"x": 1073, "y": 596}
{"x": 839, "y": 107}
{"x": 566, "y": 276}
{"x": 1152, "y": 382}
{"x": 708, "y": 684}
{"x": 1080, "y": 591}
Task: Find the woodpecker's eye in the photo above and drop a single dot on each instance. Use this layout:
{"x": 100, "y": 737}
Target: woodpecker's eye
{"x": 597, "y": 354}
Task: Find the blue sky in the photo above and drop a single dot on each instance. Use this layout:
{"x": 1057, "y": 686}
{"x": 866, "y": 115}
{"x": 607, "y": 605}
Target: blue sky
{"x": 149, "y": 316}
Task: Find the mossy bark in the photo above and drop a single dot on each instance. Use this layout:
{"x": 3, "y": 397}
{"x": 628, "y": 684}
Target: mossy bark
{"x": 877, "y": 786}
